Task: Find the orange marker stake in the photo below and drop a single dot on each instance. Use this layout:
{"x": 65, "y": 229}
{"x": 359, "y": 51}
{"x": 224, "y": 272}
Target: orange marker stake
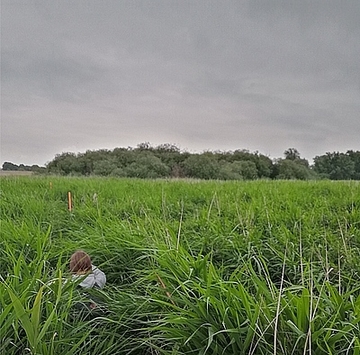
{"x": 69, "y": 201}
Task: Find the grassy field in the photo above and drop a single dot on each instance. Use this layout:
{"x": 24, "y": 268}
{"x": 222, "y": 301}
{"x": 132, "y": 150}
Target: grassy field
{"x": 15, "y": 173}
{"x": 261, "y": 267}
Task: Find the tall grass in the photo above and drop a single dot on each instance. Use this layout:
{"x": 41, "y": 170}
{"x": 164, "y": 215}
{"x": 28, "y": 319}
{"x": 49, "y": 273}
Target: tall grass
{"x": 193, "y": 267}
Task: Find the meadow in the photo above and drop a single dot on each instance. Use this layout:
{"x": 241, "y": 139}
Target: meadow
{"x": 193, "y": 267}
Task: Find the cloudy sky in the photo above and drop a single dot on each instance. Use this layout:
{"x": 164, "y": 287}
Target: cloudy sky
{"x": 204, "y": 75}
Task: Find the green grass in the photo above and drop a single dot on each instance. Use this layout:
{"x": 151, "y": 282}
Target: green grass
{"x": 261, "y": 267}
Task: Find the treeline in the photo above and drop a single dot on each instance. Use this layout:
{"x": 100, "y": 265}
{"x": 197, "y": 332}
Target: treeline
{"x": 167, "y": 161}
{"x": 7, "y": 166}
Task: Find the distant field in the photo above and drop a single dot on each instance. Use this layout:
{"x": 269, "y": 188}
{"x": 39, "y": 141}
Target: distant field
{"x": 15, "y": 173}
{"x": 252, "y": 267}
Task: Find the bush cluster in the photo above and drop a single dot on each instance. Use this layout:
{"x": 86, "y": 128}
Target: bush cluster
{"x": 168, "y": 161}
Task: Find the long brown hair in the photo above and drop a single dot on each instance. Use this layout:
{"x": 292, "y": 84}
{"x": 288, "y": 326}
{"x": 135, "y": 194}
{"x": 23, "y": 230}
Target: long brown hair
{"x": 80, "y": 262}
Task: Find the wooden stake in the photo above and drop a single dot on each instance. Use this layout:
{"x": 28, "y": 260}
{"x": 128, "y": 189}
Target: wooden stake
{"x": 50, "y": 185}
{"x": 69, "y": 201}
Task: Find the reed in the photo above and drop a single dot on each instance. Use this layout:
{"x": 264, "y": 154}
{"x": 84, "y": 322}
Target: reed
{"x": 260, "y": 267}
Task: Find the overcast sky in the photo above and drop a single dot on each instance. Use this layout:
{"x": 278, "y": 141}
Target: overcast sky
{"x": 204, "y": 75}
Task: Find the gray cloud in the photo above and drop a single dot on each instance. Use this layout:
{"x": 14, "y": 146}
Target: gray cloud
{"x": 256, "y": 75}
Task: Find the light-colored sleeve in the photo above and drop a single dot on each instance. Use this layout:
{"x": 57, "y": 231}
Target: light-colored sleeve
{"x": 100, "y": 277}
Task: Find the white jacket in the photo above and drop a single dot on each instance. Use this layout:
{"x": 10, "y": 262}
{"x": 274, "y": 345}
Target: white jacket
{"x": 95, "y": 278}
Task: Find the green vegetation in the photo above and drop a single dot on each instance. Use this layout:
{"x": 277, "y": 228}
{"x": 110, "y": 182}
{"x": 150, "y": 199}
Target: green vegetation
{"x": 166, "y": 160}
{"x": 193, "y": 267}
{"x": 7, "y": 166}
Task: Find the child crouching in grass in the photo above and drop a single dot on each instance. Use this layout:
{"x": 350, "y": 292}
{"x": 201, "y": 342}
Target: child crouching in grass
{"x": 90, "y": 277}
{"x": 80, "y": 265}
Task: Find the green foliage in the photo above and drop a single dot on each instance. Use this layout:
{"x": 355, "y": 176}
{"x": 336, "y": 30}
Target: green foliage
{"x": 104, "y": 167}
{"x": 291, "y": 169}
{"x": 211, "y": 267}
{"x": 292, "y": 154}
{"x": 355, "y": 157}
{"x": 230, "y": 171}
{"x": 147, "y": 166}
{"x": 238, "y": 170}
{"x": 7, "y": 166}
{"x": 201, "y": 167}
{"x": 166, "y": 160}
{"x": 338, "y": 166}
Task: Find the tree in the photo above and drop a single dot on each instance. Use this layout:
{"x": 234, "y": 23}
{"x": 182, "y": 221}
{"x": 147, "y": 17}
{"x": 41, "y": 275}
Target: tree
{"x": 230, "y": 171}
{"x": 201, "y": 167}
{"x": 170, "y": 155}
{"x": 147, "y": 166}
{"x": 64, "y": 164}
{"x": 335, "y": 166}
{"x": 264, "y": 166}
{"x": 292, "y": 154}
{"x": 290, "y": 169}
{"x": 144, "y": 146}
{"x": 118, "y": 172}
{"x": 238, "y": 170}
{"x": 9, "y": 166}
{"x": 167, "y": 147}
{"x": 248, "y": 169}
{"x": 355, "y": 157}
{"x": 38, "y": 169}
{"x": 124, "y": 156}
{"x": 104, "y": 167}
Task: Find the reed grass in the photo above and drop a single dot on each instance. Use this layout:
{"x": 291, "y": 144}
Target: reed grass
{"x": 261, "y": 267}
